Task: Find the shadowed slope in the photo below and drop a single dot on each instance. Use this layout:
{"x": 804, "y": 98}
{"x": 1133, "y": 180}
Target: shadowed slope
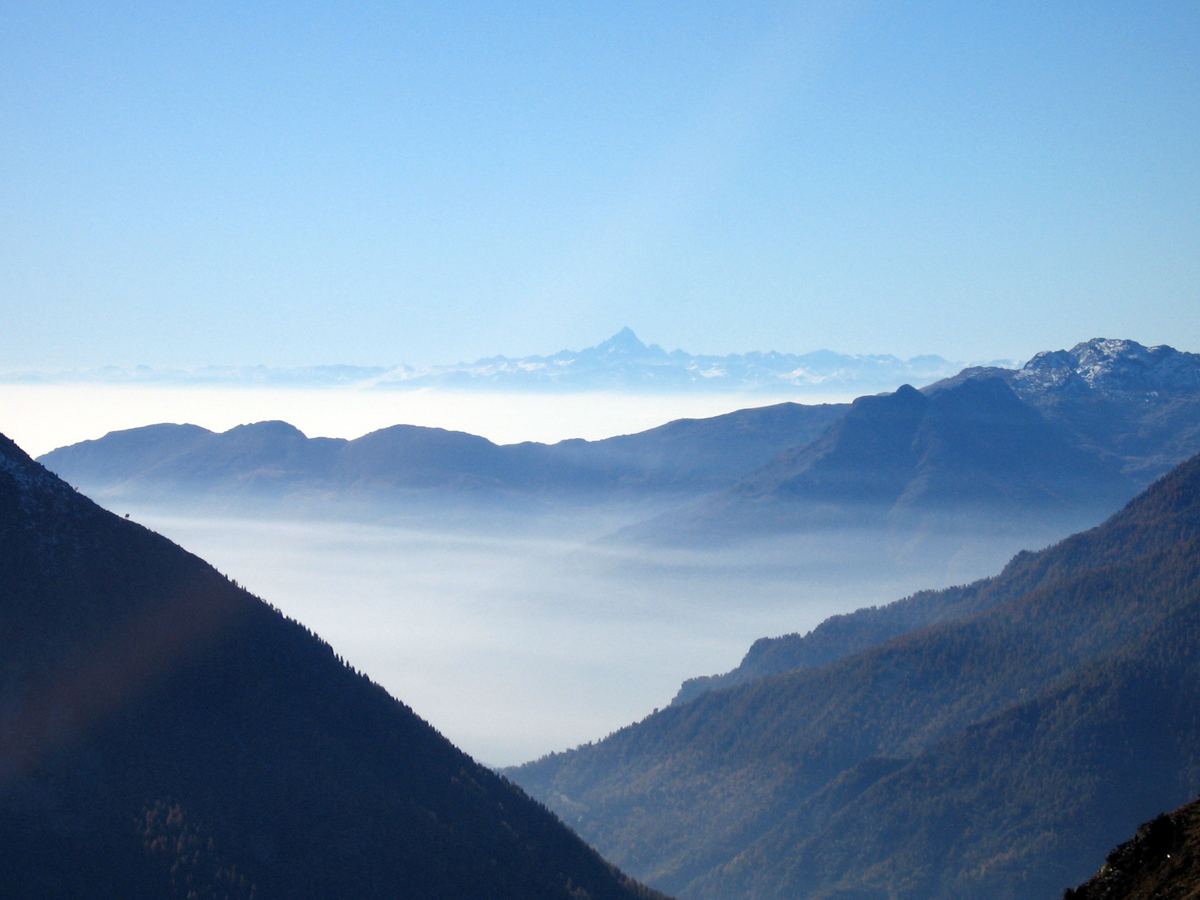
{"x": 1138, "y": 404}
{"x": 970, "y": 455}
{"x": 1161, "y": 862}
{"x": 164, "y": 733}
{"x": 686, "y": 455}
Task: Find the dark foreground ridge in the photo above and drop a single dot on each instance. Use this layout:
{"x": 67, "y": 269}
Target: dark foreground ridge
{"x": 996, "y": 754}
{"x": 1161, "y": 862}
{"x": 163, "y": 733}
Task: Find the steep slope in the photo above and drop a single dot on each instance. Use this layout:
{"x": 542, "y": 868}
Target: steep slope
{"x": 1161, "y": 862}
{"x": 842, "y": 635}
{"x": 1019, "y": 805}
{"x": 273, "y": 458}
{"x": 165, "y": 734}
{"x": 970, "y": 451}
{"x": 892, "y": 772}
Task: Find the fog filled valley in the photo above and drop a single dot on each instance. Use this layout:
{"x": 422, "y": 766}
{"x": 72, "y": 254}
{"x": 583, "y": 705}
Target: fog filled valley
{"x": 530, "y": 597}
{"x": 519, "y": 633}
{"x": 931, "y": 644}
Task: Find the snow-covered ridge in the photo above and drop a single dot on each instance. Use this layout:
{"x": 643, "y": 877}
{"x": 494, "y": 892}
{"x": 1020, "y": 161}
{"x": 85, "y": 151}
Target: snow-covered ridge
{"x": 1111, "y": 366}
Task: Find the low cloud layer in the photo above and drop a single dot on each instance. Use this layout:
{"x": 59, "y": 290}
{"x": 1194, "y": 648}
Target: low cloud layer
{"x": 521, "y": 640}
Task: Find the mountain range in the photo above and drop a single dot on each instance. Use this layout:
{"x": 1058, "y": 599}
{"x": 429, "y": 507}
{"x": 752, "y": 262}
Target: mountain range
{"x": 163, "y": 733}
{"x": 174, "y": 734}
{"x": 997, "y": 750}
{"x": 1066, "y": 438}
{"x": 969, "y": 451}
{"x": 620, "y": 363}
{"x": 946, "y": 481}
{"x": 624, "y": 363}
{"x": 1139, "y": 404}
{"x": 1071, "y": 428}
{"x": 684, "y": 456}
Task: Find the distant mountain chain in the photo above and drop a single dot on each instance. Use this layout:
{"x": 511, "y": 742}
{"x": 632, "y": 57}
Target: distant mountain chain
{"x": 1066, "y": 438}
{"x": 987, "y": 742}
{"x": 620, "y": 363}
{"x": 166, "y": 734}
{"x": 1072, "y": 434}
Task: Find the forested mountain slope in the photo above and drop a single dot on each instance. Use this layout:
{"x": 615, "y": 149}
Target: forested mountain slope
{"x": 163, "y": 733}
{"x": 996, "y": 755}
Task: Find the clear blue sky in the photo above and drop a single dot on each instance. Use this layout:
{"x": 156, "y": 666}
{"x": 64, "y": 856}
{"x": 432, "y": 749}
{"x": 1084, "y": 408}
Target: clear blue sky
{"x": 301, "y": 183}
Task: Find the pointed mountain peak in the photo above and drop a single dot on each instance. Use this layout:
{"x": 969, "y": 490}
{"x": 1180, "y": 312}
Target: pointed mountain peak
{"x": 624, "y": 342}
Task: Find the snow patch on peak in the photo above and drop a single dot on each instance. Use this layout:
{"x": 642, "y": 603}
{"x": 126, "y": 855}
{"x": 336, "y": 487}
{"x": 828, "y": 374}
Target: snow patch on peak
{"x": 1106, "y": 365}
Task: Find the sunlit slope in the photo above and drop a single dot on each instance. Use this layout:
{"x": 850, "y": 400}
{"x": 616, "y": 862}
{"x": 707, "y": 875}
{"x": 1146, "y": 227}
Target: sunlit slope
{"x": 996, "y": 755}
{"x": 165, "y": 733}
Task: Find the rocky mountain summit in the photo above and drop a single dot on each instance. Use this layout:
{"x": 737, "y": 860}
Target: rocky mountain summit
{"x": 1160, "y": 862}
{"x": 1138, "y": 405}
{"x": 1112, "y": 368}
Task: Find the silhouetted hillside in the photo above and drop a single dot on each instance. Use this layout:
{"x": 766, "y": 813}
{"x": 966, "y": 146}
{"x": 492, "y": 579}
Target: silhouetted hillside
{"x": 996, "y": 755}
{"x": 273, "y": 458}
{"x": 165, "y": 734}
{"x": 1161, "y": 862}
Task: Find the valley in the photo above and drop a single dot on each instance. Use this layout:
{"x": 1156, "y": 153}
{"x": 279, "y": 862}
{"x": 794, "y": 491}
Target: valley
{"x": 591, "y": 451}
{"x": 532, "y": 597}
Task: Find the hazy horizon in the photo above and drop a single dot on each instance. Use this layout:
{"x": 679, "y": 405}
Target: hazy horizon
{"x": 43, "y": 417}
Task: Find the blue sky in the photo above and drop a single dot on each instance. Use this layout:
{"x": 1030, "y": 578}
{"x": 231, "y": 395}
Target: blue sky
{"x": 365, "y": 183}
